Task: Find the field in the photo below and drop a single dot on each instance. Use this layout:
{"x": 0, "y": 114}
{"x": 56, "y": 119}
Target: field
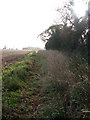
{"x": 8, "y": 57}
{"x": 11, "y": 56}
{"x": 44, "y": 84}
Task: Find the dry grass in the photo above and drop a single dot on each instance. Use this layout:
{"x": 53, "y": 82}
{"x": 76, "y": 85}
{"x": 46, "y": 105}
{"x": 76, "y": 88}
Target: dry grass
{"x": 57, "y": 66}
{"x": 70, "y": 91}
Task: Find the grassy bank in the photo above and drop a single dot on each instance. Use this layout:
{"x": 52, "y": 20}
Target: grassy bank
{"x": 47, "y": 84}
{"x": 19, "y": 86}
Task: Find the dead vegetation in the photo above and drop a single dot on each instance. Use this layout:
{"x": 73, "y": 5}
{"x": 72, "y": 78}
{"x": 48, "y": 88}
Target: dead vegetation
{"x": 70, "y": 90}
{"x": 57, "y": 66}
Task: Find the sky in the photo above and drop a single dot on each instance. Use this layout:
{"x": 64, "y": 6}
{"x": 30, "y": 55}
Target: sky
{"x": 21, "y": 21}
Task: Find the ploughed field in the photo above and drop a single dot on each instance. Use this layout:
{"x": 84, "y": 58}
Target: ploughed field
{"x": 11, "y": 56}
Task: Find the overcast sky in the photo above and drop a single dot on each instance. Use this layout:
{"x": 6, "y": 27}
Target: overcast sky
{"x": 21, "y": 21}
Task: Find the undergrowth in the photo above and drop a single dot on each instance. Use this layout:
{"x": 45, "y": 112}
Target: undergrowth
{"x": 46, "y": 85}
{"x": 19, "y": 81}
{"x": 67, "y": 86}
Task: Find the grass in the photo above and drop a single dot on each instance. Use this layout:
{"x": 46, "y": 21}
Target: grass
{"x": 48, "y": 85}
{"x": 14, "y": 76}
{"x": 67, "y": 86}
{"x": 17, "y": 86}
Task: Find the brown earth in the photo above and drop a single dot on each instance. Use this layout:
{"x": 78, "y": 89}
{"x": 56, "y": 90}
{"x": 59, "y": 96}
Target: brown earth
{"x": 12, "y": 56}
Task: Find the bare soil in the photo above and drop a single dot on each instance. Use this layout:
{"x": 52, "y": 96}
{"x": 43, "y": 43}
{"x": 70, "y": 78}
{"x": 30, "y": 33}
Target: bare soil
{"x": 11, "y": 56}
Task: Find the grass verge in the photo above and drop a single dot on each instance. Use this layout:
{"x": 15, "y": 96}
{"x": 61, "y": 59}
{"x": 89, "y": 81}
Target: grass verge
{"x": 48, "y": 85}
{"x": 19, "y": 86}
